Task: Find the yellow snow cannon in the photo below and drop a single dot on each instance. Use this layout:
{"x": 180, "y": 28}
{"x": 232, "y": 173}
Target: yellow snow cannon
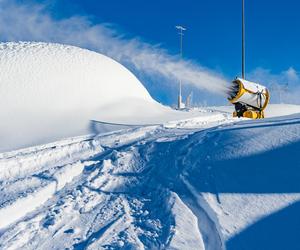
{"x": 250, "y": 99}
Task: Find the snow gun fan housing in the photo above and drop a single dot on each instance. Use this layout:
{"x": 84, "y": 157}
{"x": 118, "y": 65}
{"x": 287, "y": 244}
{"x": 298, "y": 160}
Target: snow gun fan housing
{"x": 250, "y": 99}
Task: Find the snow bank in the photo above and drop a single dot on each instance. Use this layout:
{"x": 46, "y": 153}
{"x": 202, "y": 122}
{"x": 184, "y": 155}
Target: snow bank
{"x": 19, "y": 164}
{"x": 51, "y": 91}
{"x": 272, "y": 110}
{"x": 281, "y": 110}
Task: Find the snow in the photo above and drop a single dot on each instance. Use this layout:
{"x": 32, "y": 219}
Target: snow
{"x": 186, "y": 232}
{"x": 160, "y": 179}
{"x": 52, "y": 91}
{"x": 203, "y": 185}
{"x": 20, "y": 163}
{"x": 272, "y": 110}
{"x": 55, "y": 91}
{"x": 23, "y": 205}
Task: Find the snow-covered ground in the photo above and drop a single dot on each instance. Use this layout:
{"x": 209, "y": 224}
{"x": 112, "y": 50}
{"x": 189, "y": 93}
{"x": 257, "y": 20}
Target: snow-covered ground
{"x": 194, "y": 184}
{"x": 53, "y": 91}
{"x": 158, "y": 179}
{"x": 272, "y": 110}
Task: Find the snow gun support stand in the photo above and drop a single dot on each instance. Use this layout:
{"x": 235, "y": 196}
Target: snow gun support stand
{"x": 250, "y": 99}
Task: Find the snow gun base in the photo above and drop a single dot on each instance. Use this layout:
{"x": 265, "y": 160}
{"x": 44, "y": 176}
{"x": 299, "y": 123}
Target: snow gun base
{"x": 250, "y": 114}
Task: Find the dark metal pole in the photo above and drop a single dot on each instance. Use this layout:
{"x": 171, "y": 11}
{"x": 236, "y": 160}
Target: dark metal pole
{"x": 243, "y": 39}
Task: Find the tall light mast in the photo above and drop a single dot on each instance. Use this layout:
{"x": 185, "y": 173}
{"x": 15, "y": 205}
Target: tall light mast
{"x": 181, "y": 29}
{"x": 243, "y": 39}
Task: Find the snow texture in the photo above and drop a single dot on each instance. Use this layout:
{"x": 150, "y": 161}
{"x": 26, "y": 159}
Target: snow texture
{"x": 195, "y": 184}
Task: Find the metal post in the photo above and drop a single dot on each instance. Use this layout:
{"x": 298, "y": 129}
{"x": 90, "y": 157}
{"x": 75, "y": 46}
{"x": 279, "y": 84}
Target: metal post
{"x": 181, "y": 55}
{"x": 181, "y": 29}
{"x": 243, "y": 39}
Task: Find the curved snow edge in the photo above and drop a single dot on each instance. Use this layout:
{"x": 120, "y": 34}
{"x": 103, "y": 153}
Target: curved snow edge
{"x": 207, "y": 209}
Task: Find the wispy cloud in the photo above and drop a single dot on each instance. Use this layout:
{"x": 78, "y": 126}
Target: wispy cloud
{"x": 33, "y": 22}
{"x": 285, "y": 86}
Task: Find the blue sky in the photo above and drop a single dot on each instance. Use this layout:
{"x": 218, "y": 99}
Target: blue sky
{"x": 142, "y": 36}
{"x": 213, "y": 35}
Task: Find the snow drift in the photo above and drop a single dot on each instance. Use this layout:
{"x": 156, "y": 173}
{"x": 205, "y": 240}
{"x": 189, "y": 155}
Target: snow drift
{"x": 50, "y": 91}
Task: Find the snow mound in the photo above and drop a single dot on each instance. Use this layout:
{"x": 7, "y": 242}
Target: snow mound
{"x": 50, "y": 91}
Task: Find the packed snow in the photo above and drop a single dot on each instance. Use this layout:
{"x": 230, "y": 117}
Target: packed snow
{"x": 156, "y": 179}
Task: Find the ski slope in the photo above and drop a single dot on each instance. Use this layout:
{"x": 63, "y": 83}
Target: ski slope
{"x": 192, "y": 184}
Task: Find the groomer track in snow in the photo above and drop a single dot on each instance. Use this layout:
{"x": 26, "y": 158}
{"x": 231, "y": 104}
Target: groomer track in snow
{"x": 188, "y": 185}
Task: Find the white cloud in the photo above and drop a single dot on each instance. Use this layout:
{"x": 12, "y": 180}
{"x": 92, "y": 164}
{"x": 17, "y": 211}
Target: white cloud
{"x": 285, "y": 86}
{"x": 292, "y": 75}
{"x": 32, "y": 22}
